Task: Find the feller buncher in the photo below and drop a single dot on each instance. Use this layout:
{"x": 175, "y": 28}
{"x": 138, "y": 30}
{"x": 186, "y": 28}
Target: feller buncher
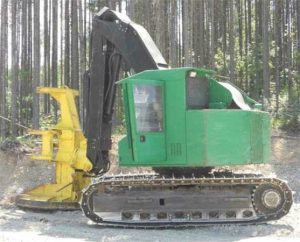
{"x": 181, "y": 122}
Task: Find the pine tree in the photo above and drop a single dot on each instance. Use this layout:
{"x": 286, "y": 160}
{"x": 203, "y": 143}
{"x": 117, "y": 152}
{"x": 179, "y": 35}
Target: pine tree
{"x": 231, "y": 43}
{"x": 14, "y": 69}
{"x": 67, "y": 44}
{"x": 265, "y": 37}
{"x": 74, "y": 46}
{"x": 3, "y": 64}
{"x": 36, "y": 65}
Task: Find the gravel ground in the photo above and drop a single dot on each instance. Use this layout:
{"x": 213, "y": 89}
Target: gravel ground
{"x": 17, "y": 173}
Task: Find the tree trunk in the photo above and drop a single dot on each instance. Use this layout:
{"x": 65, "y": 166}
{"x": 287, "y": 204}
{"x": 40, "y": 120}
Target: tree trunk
{"x": 67, "y": 44}
{"x": 265, "y": 39}
{"x": 256, "y": 84}
{"x": 54, "y": 49}
{"x": 14, "y": 70}
{"x": 231, "y": 43}
{"x": 161, "y": 23}
{"x": 201, "y": 42}
{"x": 24, "y": 62}
{"x": 240, "y": 24}
{"x": 186, "y": 31}
{"x": 212, "y": 34}
{"x": 3, "y": 64}
{"x": 249, "y": 21}
{"x": 74, "y": 45}
{"x": 46, "y": 53}
{"x": 28, "y": 84}
{"x": 173, "y": 49}
{"x": 36, "y": 66}
{"x": 81, "y": 56}
{"x": 61, "y": 55}
{"x": 246, "y": 41}
{"x": 239, "y": 76}
{"x": 298, "y": 35}
{"x": 224, "y": 36}
{"x": 195, "y": 10}
{"x": 278, "y": 47}
{"x": 289, "y": 53}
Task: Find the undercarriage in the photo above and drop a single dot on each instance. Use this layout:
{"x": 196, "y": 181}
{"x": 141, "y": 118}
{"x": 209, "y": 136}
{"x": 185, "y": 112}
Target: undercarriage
{"x": 153, "y": 201}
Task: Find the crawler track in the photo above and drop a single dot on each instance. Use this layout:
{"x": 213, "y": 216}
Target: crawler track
{"x": 152, "y": 201}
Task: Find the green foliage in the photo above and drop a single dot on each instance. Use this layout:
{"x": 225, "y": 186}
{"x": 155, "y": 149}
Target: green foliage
{"x": 27, "y": 140}
{"x": 12, "y": 144}
{"x": 219, "y": 61}
{"x": 287, "y": 123}
{"x": 297, "y": 57}
{"x": 92, "y": 6}
{"x": 24, "y": 73}
{"x": 47, "y": 121}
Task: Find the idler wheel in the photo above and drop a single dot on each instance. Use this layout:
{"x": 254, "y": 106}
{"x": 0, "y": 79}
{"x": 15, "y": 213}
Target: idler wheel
{"x": 268, "y": 199}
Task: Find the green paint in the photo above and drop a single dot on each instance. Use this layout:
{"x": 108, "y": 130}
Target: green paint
{"x": 212, "y": 136}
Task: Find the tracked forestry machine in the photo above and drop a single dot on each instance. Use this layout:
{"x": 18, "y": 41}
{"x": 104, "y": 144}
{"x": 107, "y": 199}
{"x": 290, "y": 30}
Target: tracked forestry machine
{"x": 181, "y": 122}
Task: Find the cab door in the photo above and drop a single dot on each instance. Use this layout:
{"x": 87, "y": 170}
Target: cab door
{"x": 148, "y": 119}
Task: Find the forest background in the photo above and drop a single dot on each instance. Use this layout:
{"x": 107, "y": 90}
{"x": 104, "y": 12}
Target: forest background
{"x": 253, "y": 43}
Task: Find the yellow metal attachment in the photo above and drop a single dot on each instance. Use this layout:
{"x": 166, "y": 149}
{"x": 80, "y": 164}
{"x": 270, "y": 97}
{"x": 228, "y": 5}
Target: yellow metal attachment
{"x": 47, "y": 144}
{"x": 69, "y": 155}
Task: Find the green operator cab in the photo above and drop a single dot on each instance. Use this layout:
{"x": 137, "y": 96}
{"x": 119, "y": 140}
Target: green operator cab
{"x": 185, "y": 118}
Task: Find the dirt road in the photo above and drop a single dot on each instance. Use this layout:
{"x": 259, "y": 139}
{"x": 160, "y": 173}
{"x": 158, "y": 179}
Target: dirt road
{"x": 17, "y": 172}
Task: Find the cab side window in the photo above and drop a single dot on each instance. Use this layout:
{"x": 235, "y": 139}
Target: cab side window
{"x": 148, "y": 107}
{"x": 196, "y": 91}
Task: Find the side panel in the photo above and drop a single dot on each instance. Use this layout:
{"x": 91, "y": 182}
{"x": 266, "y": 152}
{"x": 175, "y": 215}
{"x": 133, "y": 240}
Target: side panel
{"x": 196, "y": 138}
{"x": 218, "y": 94}
{"x": 260, "y": 137}
{"x": 175, "y": 119}
{"x": 227, "y": 137}
{"x": 266, "y": 132}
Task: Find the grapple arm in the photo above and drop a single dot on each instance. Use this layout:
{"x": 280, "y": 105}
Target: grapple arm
{"x": 115, "y": 39}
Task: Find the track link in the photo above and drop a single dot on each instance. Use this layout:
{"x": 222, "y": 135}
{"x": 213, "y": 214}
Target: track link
{"x": 134, "y": 200}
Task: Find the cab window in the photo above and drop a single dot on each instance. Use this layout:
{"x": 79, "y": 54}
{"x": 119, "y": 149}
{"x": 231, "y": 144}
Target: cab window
{"x": 148, "y": 107}
{"x": 196, "y": 91}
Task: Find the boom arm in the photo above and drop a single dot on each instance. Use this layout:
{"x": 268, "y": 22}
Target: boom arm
{"x": 114, "y": 39}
